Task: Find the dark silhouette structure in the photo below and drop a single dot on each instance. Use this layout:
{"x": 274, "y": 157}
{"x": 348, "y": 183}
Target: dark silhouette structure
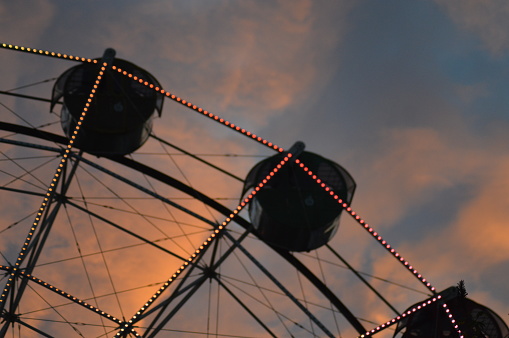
{"x": 119, "y": 117}
{"x": 292, "y": 211}
{"x": 474, "y": 319}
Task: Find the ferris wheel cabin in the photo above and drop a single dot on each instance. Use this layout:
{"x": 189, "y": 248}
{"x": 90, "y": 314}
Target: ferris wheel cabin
{"x": 475, "y": 320}
{"x": 119, "y": 119}
{"x": 292, "y": 211}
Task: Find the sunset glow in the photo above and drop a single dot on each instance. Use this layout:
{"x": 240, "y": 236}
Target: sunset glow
{"x": 408, "y": 97}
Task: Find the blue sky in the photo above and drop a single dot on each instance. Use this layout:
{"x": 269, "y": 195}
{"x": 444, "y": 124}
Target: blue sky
{"x": 409, "y": 96}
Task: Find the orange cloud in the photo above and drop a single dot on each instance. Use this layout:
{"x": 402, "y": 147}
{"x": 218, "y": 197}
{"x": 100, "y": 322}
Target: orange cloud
{"x": 247, "y": 61}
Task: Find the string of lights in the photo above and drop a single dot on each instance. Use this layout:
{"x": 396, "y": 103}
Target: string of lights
{"x": 401, "y": 316}
{"x": 201, "y": 110}
{"x": 47, "y": 53}
{"x": 65, "y": 294}
{"x": 217, "y": 231}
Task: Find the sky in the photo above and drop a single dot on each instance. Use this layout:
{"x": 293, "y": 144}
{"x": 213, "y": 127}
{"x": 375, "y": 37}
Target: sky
{"x": 409, "y": 96}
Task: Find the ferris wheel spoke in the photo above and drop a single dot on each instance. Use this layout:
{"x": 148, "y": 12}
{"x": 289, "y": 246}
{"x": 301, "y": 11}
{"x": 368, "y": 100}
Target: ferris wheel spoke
{"x": 32, "y": 84}
{"x": 23, "y": 218}
{"x": 25, "y": 172}
{"x": 209, "y": 272}
{"x": 180, "y": 289}
{"x": 192, "y": 290}
{"x": 244, "y": 306}
{"x": 195, "y": 258}
{"x": 158, "y": 176}
{"x": 283, "y": 288}
{"x": 33, "y": 328}
{"x": 356, "y": 273}
{"x": 254, "y": 281}
{"x": 163, "y": 305}
{"x": 322, "y": 287}
{"x": 121, "y": 228}
{"x": 197, "y": 158}
{"x": 30, "y": 97}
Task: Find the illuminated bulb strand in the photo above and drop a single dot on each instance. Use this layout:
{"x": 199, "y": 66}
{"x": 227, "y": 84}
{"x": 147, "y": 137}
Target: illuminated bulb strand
{"x": 51, "y": 191}
{"x": 228, "y": 124}
{"x": 200, "y": 110}
{"x": 401, "y": 317}
{"x": 379, "y": 238}
{"x": 65, "y": 294}
{"x": 46, "y": 53}
{"x": 411, "y": 311}
{"x": 156, "y": 88}
{"x": 217, "y": 231}
{"x": 451, "y": 318}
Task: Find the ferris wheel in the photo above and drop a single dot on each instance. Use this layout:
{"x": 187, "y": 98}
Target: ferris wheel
{"x": 111, "y": 230}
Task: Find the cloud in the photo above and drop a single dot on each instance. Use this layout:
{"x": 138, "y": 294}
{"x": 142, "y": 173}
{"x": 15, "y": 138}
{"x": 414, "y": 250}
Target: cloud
{"x": 25, "y": 23}
{"x": 248, "y": 60}
{"x": 487, "y": 19}
{"x": 479, "y": 232}
{"x": 410, "y": 168}
{"x": 486, "y": 216}
{"x": 439, "y": 196}
{"x": 447, "y": 238}
{"x": 426, "y": 172}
